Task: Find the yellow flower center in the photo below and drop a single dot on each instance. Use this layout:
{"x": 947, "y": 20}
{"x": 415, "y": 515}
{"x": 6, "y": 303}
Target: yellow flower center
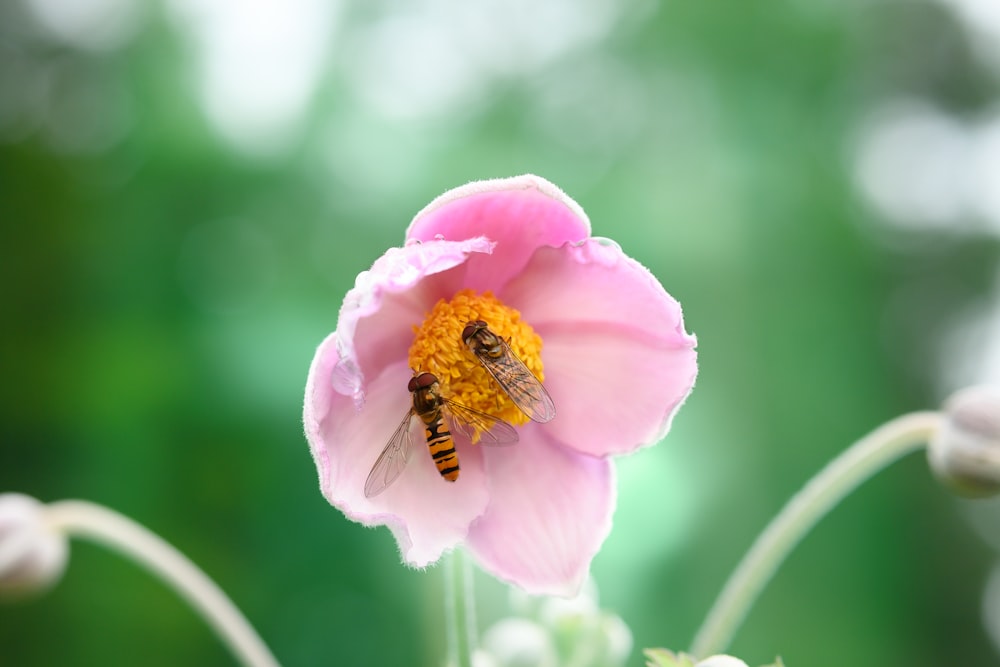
{"x": 438, "y": 349}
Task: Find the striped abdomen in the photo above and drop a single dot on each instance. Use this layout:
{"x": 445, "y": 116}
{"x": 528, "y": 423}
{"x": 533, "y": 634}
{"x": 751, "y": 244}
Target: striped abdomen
{"x": 440, "y": 443}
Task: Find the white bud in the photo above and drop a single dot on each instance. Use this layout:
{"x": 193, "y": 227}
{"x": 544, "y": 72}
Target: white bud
{"x": 619, "y": 639}
{"x": 516, "y": 642}
{"x": 556, "y": 611}
{"x": 965, "y": 451}
{"x": 721, "y": 661}
{"x": 481, "y": 658}
{"x": 32, "y": 553}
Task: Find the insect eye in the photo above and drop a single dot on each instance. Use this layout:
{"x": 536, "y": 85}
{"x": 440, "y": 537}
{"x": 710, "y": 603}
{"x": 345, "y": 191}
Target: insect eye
{"x": 422, "y": 381}
{"x": 472, "y": 328}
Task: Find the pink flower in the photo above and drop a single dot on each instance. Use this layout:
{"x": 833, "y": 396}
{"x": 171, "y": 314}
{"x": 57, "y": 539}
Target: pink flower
{"x": 593, "y": 324}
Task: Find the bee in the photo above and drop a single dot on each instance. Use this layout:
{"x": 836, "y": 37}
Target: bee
{"x": 511, "y": 374}
{"x": 438, "y": 415}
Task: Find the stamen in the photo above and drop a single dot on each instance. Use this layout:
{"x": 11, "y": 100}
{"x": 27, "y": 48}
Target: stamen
{"x": 438, "y": 348}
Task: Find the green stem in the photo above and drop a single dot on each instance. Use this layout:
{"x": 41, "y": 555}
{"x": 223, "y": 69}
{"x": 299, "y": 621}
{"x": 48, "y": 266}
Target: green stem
{"x": 100, "y": 524}
{"x": 862, "y": 460}
{"x": 460, "y": 610}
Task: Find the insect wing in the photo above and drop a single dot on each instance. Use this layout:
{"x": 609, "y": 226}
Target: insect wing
{"x": 520, "y": 383}
{"x": 467, "y": 422}
{"x": 391, "y": 462}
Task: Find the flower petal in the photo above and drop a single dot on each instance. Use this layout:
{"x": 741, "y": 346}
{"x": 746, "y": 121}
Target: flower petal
{"x": 388, "y": 299}
{"x": 521, "y": 214}
{"x": 426, "y": 514}
{"x": 319, "y": 401}
{"x": 618, "y": 363}
{"x": 550, "y": 510}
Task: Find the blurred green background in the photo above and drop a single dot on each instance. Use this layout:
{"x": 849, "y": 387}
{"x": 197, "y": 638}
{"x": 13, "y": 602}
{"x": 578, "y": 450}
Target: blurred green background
{"x": 189, "y": 187}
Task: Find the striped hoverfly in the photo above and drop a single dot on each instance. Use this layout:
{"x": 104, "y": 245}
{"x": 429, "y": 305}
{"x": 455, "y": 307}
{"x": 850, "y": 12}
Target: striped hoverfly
{"x": 438, "y": 415}
{"x": 510, "y": 373}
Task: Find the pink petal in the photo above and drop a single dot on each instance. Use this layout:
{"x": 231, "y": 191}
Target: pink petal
{"x": 550, "y": 511}
{"x": 521, "y": 214}
{"x": 374, "y": 327}
{"x": 319, "y": 400}
{"x": 427, "y": 514}
{"x": 356, "y": 396}
{"x": 618, "y": 362}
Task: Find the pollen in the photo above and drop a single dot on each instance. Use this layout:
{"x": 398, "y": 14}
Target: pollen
{"x": 438, "y": 348}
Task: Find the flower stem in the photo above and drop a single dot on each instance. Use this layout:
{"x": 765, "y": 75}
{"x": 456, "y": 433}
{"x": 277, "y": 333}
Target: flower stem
{"x": 862, "y": 460}
{"x": 460, "y": 609}
{"x": 115, "y": 531}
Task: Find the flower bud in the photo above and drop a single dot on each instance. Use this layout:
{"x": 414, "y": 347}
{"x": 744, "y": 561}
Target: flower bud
{"x": 721, "y": 661}
{"x": 556, "y": 611}
{"x": 32, "y": 553}
{"x": 518, "y": 642}
{"x": 965, "y": 451}
{"x": 661, "y": 657}
{"x": 576, "y": 631}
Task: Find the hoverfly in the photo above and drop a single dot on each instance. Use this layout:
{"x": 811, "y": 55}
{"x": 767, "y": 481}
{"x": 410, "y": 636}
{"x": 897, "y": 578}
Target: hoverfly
{"x": 438, "y": 414}
{"x": 511, "y": 374}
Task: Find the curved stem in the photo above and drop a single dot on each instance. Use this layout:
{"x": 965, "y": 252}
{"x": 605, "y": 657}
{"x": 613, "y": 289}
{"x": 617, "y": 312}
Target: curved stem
{"x": 100, "y": 524}
{"x": 460, "y": 610}
{"x": 862, "y": 460}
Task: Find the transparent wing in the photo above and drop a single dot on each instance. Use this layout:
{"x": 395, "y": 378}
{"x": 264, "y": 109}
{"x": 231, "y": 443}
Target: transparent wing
{"x": 520, "y": 384}
{"x": 391, "y": 461}
{"x": 492, "y": 431}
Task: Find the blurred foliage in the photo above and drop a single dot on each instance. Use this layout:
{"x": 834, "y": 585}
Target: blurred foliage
{"x": 163, "y": 287}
